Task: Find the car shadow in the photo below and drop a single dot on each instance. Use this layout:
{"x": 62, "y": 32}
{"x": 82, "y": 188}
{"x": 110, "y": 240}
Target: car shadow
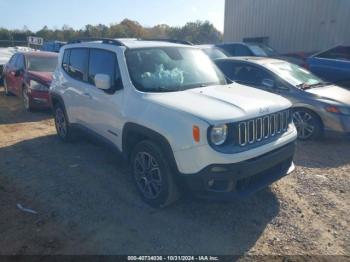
{"x": 13, "y": 112}
{"x": 325, "y": 153}
{"x": 85, "y": 192}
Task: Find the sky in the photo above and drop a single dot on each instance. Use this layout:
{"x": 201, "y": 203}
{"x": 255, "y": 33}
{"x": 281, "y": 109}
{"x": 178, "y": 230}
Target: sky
{"x": 35, "y": 14}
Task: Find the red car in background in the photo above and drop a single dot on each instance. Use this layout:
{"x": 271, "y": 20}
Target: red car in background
{"x": 29, "y": 75}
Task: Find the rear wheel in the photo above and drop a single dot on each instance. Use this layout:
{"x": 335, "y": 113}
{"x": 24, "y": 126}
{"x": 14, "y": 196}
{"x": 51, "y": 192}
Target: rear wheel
{"x": 152, "y": 175}
{"x": 64, "y": 131}
{"x": 308, "y": 124}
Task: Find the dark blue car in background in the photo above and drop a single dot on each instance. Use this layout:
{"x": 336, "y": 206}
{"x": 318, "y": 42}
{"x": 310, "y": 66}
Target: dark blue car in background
{"x": 332, "y": 65}
{"x": 257, "y": 49}
{"x": 53, "y": 46}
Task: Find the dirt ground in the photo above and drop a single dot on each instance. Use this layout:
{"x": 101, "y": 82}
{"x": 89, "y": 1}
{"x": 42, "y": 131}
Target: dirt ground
{"x": 86, "y": 202}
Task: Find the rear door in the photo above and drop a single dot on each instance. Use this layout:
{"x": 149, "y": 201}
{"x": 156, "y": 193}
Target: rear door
{"x": 74, "y": 84}
{"x": 18, "y": 74}
{"x": 10, "y": 73}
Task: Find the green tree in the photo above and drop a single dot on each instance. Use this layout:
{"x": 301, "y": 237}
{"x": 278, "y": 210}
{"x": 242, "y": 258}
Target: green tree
{"x": 196, "y": 32}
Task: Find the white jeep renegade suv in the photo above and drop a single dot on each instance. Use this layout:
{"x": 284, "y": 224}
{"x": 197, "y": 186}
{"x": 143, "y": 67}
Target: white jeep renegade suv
{"x": 170, "y": 112}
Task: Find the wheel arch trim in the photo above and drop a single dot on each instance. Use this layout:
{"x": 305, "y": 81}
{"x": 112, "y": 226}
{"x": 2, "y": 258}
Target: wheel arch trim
{"x": 147, "y": 134}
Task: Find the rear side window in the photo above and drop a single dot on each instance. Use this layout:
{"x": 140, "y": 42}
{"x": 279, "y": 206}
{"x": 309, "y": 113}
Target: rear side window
{"x": 65, "y": 61}
{"x": 78, "y": 62}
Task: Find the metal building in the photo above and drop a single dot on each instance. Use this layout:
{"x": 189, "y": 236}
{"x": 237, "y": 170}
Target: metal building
{"x": 289, "y": 25}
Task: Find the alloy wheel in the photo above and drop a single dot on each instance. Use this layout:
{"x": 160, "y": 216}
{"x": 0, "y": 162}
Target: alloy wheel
{"x": 148, "y": 176}
{"x": 305, "y": 124}
{"x": 61, "y": 123}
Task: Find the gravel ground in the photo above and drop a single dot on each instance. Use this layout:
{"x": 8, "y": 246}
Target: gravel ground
{"x": 86, "y": 202}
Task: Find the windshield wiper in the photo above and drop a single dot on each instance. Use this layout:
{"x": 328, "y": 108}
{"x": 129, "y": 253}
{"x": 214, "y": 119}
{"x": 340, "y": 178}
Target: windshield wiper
{"x": 165, "y": 89}
{"x": 305, "y": 86}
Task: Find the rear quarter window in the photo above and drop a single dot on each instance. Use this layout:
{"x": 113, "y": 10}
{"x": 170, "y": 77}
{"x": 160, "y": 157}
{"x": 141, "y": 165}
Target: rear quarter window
{"x": 78, "y": 63}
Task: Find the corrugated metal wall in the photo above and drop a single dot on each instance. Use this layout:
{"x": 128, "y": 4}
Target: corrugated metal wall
{"x": 291, "y": 25}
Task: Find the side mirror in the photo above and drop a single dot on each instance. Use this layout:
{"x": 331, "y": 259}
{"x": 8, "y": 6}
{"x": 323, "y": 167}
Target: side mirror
{"x": 269, "y": 83}
{"x": 103, "y": 81}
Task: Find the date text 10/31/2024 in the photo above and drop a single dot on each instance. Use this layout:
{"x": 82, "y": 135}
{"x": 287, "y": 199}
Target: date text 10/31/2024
{"x": 173, "y": 258}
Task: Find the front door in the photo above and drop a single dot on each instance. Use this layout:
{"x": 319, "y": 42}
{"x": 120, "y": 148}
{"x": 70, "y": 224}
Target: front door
{"x": 103, "y": 107}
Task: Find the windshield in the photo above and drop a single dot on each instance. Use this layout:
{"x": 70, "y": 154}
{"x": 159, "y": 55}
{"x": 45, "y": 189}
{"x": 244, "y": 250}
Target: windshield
{"x": 214, "y": 53}
{"x": 169, "y": 69}
{"x": 262, "y": 50}
{"x": 41, "y": 64}
{"x": 294, "y": 74}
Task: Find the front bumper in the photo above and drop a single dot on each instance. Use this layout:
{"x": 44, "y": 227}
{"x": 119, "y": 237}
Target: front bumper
{"x": 336, "y": 124}
{"x": 39, "y": 99}
{"x": 242, "y": 179}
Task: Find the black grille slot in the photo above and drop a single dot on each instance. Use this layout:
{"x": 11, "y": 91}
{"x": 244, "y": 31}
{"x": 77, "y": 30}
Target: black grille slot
{"x": 259, "y": 129}
{"x": 272, "y": 125}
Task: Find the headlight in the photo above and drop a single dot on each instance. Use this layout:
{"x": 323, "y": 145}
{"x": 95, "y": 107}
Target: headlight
{"x": 218, "y": 134}
{"x": 338, "y": 110}
{"x": 34, "y": 85}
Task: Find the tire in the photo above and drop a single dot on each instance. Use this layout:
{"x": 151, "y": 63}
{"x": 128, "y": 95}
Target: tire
{"x": 308, "y": 124}
{"x": 26, "y": 99}
{"x": 63, "y": 128}
{"x": 152, "y": 175}
{"x": 7, "y": 92}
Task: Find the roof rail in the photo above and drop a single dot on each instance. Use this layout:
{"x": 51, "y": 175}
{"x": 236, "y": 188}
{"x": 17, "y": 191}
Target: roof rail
{"x": 108, "y": 41}
{"x": 175, "y": 41}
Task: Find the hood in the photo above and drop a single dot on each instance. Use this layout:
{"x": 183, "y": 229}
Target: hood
{"x": 222, "y": 104}
{"x": 42, "y": 77}
{"x": 333, "y": 93}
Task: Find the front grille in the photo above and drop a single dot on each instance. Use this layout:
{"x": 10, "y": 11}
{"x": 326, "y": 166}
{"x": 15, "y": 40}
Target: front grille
{"x": 263, "y": 128}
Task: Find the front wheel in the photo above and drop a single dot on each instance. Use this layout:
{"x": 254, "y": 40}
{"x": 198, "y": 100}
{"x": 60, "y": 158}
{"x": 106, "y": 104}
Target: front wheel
{"x": 307, "y": 123}
{"x": 152, "y": 175}
{"x": 26, "y": 99}
{"x": 7, "y": 92}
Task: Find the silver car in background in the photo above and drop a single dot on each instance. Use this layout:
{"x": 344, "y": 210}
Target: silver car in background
{"x": 319, "y": 107}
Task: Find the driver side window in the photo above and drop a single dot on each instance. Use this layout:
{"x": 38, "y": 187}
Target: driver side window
{"x": 252, "y": 75}
{"x": 20, "y": 62}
